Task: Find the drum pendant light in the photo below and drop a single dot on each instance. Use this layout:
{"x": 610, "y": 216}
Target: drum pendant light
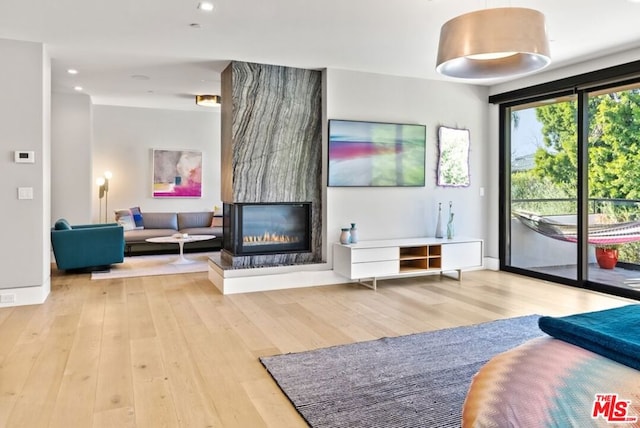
{"x": 493, "y": 43}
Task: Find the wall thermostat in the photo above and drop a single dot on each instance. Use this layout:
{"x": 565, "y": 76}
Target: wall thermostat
{"x": 24, "y": 157}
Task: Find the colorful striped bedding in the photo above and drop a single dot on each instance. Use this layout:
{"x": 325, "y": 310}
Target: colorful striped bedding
{"x": 547, "y": 382}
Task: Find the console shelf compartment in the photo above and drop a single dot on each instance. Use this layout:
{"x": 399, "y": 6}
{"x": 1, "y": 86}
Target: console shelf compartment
{"x": 425, "y": 257}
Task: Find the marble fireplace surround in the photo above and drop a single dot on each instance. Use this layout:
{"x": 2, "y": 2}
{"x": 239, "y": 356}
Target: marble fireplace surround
{"x": 272, "y": 152}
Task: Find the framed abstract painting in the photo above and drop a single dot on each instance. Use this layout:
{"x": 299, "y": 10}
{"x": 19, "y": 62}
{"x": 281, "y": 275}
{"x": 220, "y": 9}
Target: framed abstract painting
{"x": 177, "y": 174}
{"x": 373, "y": 154}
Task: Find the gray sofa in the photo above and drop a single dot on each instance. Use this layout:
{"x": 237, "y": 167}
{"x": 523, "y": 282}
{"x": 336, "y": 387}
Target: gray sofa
{"x": 168, "y": 223}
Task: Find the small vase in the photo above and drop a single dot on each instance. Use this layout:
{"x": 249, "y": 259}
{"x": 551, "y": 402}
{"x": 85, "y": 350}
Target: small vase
{"x": 353, "y": 233}
{"x": 439, "y": 223}
{"x": 450, "y": 229}
{"x": 345, "y": 236}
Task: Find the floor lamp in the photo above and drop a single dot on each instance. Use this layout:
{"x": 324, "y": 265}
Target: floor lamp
{"x": 107, "y": 177}
{"x": 103, "y": 192}
{"x": 100, "y": 182}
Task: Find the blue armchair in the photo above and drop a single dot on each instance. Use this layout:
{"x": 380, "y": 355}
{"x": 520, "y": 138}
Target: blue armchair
{"x": 87, "y": 246}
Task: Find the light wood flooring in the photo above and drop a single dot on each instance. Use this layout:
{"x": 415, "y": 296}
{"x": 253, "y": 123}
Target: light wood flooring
{"x": 170, "y": 351}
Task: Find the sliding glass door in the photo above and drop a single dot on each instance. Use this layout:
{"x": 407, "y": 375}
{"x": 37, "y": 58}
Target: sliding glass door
{"x": 543, "y": 177}
{"x": 555, "y": 149}
{"x": 614, "y": 186}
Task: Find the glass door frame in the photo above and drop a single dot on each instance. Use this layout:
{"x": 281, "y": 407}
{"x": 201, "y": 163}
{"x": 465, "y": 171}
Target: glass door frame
{"x": 582, "y": 126}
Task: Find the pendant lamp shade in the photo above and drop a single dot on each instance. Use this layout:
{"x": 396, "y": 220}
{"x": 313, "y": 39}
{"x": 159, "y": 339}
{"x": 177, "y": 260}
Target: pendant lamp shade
{"x": 493, "y": 43}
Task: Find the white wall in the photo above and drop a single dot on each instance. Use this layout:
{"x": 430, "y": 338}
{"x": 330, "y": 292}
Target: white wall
{"x": 123, "y": 139}
{"x": 71, "y": 184}
{"x": 24, "y": 121}
{"x": 382, "y": 213}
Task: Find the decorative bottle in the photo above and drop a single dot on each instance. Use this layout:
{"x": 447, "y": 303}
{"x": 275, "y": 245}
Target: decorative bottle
{"x": 450, "y": 229}
{"x": 353, "y": 233}
{"x": 439, "y": 223}
{"x": 345, "y": 236}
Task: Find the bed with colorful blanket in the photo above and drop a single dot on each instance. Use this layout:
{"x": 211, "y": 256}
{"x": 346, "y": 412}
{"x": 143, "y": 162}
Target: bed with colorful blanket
{"x": 586, "y": 373}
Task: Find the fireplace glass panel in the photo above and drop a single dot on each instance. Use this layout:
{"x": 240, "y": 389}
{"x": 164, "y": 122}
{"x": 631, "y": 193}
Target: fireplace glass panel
{"x": 259, "y": 228}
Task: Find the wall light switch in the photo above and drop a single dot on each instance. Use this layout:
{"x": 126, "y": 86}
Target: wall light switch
{"x": 482, "y": 191}
{"x": 25, "y": 192}
{"x": 24, "y": 156}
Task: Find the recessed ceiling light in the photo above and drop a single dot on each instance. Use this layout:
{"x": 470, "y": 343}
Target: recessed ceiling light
{"x": 205, "y": 6}
{"x": 77, "y": 88}
{"x": 72, "y": 71}
{"x": 208, "y": 100}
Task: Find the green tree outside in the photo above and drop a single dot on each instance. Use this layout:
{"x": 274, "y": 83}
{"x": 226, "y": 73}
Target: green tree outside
{"x": 614, "y": 145}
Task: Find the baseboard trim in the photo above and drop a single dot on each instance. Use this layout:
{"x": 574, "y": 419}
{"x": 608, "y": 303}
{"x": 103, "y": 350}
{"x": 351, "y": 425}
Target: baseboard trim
{"x": 491, "y": 263}
{"x": 22, "y": 296}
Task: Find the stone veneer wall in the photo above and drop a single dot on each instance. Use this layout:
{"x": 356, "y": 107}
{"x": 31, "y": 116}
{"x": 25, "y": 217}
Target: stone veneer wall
{"x": 272, "y": 145}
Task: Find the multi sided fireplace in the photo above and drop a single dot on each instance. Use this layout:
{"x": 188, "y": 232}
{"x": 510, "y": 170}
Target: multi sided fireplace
{"x": 266, "y": 228}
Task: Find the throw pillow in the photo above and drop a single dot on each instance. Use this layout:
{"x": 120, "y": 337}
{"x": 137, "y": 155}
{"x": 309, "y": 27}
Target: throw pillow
{"x": 137, "y": 217}
{"x": 127, "y": 223}
{"x": 121, "y": 212}
{"x": 216, "y": 222}
{"x": 62, "y": 224}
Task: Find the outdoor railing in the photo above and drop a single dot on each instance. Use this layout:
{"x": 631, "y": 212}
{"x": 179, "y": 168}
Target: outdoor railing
{"x": 629, "y": 208}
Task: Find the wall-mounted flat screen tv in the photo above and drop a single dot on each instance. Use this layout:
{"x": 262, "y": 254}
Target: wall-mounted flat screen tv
{"x": 374, "y": 154}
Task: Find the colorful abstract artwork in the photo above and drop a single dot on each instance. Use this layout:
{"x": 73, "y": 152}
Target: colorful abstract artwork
{"x": 177, "y": 174}
{"x": 363, "y": 154}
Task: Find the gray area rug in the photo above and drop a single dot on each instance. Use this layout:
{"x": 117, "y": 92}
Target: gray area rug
{"x": 419, "y": 380}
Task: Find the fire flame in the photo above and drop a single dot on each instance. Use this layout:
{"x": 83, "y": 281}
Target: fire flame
{"x": 268, "y": 238}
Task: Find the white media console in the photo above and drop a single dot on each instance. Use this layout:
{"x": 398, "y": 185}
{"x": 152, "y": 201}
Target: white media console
{"x": 406, "y": 257}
